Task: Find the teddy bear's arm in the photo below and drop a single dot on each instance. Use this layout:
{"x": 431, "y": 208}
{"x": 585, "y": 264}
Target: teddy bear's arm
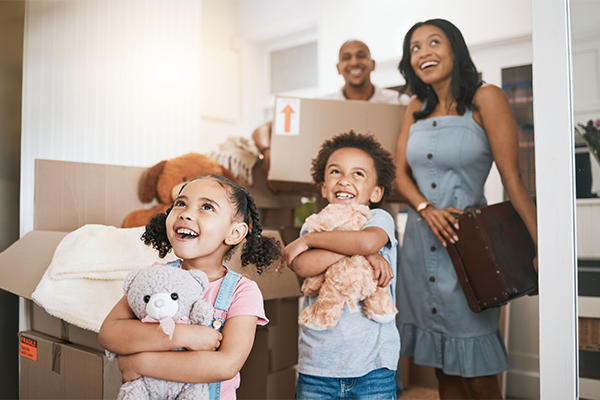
{"x": 202, "y": 313}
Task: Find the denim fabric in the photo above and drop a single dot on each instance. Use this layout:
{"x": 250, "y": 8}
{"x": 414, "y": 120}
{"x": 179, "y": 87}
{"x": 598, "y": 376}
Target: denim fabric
{"x": 450, "y": 158}
{"x": 376, "y": 385}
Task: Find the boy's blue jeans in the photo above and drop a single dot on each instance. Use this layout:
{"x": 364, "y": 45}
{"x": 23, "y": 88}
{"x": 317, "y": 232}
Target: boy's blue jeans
{"x": 376, "y": 385}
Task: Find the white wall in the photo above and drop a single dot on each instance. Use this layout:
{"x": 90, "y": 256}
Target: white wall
{"x": 109, "y": 82}
{"x": 220, "y": 35}
{"x": 381, "y": 24}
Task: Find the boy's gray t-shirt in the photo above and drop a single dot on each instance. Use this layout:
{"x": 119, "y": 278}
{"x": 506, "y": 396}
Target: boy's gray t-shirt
{"x": 356, "y": 345}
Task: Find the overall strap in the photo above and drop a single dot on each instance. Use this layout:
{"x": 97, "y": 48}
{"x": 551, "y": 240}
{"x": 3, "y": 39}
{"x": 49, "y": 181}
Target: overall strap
{"x": 221, "y": 307}
{"x": 174, "y": 263}
{"x": 224, "y": 299}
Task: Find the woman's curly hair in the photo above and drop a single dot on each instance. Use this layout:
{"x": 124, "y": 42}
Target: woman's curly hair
{"x": 258, "y": 249}
{"x": 383, "y": 159}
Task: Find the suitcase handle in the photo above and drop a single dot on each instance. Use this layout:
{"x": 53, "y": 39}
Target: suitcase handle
{"x": 463, "y": 279}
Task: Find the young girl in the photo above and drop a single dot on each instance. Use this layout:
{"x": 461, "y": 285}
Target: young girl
{"x": 208, "y": 219}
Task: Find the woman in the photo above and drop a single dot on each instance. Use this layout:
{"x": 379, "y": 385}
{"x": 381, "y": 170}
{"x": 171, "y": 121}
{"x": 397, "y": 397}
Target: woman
{"x": 452, "y": 132}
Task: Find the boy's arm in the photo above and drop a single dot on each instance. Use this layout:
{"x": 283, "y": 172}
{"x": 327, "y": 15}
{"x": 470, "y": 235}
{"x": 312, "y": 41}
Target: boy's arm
{"x": 314, "y": 262}
{"x": 328, "y": 247}
{"x": 197, "y": 366}
{"x": 349, "y": 243}
{"x": 122, "y": 333}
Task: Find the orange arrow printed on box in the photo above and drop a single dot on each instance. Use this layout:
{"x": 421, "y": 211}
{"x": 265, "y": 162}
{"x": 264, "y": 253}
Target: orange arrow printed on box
{"x": 288, "y": 117}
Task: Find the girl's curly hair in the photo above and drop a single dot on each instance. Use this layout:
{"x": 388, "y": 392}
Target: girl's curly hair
{"x": 258, "y": 249}
{"x": 383, "y": 159}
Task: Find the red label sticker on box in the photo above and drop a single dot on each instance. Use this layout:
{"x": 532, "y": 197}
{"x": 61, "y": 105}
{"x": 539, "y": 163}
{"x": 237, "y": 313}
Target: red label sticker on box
{"x": 287, "y": 116}
{"x": 29, "y": 348}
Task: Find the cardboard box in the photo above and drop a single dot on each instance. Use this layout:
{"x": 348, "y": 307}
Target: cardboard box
{"x": 45, "y": 323}
{"x": 50, "y": 368}
{"x": 69, "y": 195}
{"x": 258, "y": 380}
{"x": 254, "y": 373}
{"x": 283, "y": 333}
{"x": 301, "y": 125}
{"x": 281, "y": 384}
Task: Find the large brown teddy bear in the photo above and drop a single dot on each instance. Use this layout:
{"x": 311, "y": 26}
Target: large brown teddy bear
{"x": 164, "y": 180}
{"x": 347, "y": 281}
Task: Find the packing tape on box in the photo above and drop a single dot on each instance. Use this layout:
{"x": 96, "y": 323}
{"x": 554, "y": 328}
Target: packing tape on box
{"x": 56, "y": 356}
{"x": 64, "y": 330}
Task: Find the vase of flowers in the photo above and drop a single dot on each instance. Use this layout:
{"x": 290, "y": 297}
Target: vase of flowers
{"x": 590, "y": 132}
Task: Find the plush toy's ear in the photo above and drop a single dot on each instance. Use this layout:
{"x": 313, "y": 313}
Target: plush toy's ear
{"x": 129, "y": 280}
{"x": 200, "y": 277}
{"x": 149, "y": 184}
{"x": 365, "y": 211}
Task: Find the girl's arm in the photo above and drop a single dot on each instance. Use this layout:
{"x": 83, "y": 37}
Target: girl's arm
{"x": 197, "y": 366}
{"x": 440, "y": 221}
{"x": 122, "y": 333}
{"x": 496, "y": 118}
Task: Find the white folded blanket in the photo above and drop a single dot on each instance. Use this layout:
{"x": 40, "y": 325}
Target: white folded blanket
{"x": 85, "y": 278}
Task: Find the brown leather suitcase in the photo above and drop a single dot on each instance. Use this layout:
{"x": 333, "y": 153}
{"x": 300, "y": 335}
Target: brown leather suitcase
{"x": 493, "y": 257}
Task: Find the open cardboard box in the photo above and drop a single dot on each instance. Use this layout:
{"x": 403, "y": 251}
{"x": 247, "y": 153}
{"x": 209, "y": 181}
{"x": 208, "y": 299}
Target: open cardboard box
{"x": 69, "y": 361}
{"x": 300, "y": 126}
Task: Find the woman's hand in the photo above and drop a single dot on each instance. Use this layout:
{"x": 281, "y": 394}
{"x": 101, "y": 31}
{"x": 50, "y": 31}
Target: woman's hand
{"x": 383, "y": 273}
{"x": 442, "y": 223}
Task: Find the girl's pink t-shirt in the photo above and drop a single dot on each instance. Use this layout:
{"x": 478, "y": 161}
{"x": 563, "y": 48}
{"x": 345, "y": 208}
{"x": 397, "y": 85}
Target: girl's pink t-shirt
{"x": 246, "y": 300}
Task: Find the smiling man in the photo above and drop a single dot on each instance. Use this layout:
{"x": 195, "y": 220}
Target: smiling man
{"x": 355, "y": 65}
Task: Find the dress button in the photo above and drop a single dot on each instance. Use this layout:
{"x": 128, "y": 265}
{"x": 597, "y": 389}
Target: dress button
{"x": 434, "y": 123}
{"x": 433, "y": 185}
{"x": 430, "y": 156}
{"x": 432, "y": 279}
{"x": 433, "y": 311}
{"x": 432, "y": 248}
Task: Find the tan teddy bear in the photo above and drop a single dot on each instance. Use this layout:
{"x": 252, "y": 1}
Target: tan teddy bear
{"x": 164, "y": 180}
{"x": 349, "y": 280}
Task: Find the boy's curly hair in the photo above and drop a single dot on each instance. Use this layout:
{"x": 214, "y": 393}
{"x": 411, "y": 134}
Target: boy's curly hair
{"x": 383, "y": 159}
{"x": 258, "y": 249}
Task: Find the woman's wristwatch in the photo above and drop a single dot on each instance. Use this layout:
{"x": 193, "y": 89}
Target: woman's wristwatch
{"x": 422, "y": 206}
{"x": 261, "y": 154}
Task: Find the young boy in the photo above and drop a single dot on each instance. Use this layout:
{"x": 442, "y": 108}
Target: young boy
{"x": 358, "y": 357}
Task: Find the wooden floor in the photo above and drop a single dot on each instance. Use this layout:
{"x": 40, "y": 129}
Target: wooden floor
{"x": 421, "y": 393}
{"x": 424, "y": 393}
